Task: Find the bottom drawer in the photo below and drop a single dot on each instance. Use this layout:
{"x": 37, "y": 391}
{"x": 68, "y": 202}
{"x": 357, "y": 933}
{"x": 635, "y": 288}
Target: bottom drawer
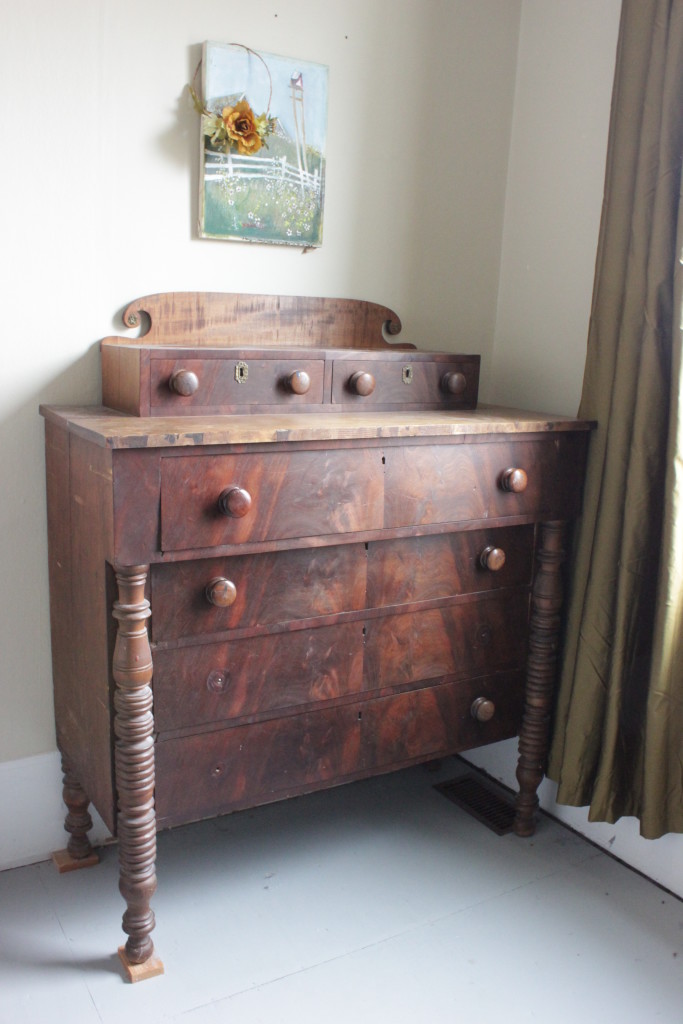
{"x": 200, "y": 776}
{"x": 423, "y": 724}
{"x": 217, "y": 772}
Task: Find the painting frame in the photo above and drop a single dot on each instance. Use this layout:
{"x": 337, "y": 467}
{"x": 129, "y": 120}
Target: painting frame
{"x": 262, "y": 147}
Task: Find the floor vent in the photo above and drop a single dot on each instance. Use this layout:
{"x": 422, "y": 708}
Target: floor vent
{"x": 480, "y": 799}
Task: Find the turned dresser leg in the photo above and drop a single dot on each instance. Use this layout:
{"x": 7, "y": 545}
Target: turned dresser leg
{"x": 544, "y": 631}
{"x": 79, "y": 853}
{"x": 134, "y": 765}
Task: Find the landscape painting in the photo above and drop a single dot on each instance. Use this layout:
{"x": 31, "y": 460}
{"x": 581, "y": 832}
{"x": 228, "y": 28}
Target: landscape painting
{"x": 264, "y": 124}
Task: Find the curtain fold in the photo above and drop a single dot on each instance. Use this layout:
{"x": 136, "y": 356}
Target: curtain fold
{"x": 618, "y": 733}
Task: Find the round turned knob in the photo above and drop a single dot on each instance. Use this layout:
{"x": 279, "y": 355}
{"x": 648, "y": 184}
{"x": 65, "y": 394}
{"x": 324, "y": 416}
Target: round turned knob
{"x": 234, "y": 502}
{"x": 483, "y": 709}
{"x": 362, "y": 383}
{"x": 221, "y": 592}
{"x": 184, "y": 382}
{"x": 492, "y": 558}
{"x": 299, "y": 382}
{"x": 454, "y": 382}
{"x": 217, "y": 681}
{"x": 514, "y": 480}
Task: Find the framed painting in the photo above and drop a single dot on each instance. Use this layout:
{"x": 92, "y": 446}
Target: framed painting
{"x": 263, "y": 135}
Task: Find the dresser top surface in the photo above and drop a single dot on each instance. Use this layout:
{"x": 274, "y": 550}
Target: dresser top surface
{"x": 110, "y": 429}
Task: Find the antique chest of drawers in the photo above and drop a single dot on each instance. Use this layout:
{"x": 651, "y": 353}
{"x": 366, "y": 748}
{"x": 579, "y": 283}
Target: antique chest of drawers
{"x": 287, "y": 554}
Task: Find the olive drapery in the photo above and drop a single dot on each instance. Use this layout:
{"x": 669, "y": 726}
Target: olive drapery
{"x": 618, "y": 731}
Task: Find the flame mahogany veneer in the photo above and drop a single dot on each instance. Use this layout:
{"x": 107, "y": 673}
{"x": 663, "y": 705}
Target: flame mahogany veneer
{"x": 249, "y": 603}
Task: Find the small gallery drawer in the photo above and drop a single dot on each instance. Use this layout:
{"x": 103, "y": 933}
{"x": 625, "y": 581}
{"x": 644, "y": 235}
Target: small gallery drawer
{"x": 440, "y": 720}
{"x": 459, "y": 640}
{"x": 262, "y": 590}
{"x": 405, "y": 383}
{"x": 445, "y": 565}
{"x": 217, "y": 772}
{"x": 207, "y": 501}
{"x": 220, "y": 385}
{"x": 473, "y": 481}
{"x": 213, "y": 682}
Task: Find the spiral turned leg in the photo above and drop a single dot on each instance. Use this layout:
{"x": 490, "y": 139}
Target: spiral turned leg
{"x": 134, "y": 763}
{"x": 544, "y": 630}
{"x": 79, "y": 853}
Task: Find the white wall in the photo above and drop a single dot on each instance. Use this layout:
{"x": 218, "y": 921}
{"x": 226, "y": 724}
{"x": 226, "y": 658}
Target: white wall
{"x": 554, "y": 198}
{"x": 552, "y": 215}
{"x": 98, "y": 207}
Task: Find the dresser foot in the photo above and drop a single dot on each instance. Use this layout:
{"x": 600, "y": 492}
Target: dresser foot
{"x": 64, "y": 862}
{"x": 544, "y": 632}
{"x": 79, "y": 853}
{"x": 151, "y": 968}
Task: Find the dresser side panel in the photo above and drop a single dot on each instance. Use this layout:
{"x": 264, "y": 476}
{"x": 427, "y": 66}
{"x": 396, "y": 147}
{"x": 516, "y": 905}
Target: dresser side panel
{"x": 59, "y": 573}
{"x": 125, "y": 379}
{"x": 88, "y": 706}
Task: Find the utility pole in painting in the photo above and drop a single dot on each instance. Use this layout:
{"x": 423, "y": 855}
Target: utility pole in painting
{"x": 296, "y": 84}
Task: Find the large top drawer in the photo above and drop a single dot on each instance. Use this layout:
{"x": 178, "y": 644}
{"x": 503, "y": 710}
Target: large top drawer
{"x": 208, "y": 501}
{"x": 211, "y": 501}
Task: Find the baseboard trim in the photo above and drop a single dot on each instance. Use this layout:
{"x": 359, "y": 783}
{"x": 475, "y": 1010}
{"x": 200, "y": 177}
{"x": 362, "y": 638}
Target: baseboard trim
{"x": 33, "y": 811}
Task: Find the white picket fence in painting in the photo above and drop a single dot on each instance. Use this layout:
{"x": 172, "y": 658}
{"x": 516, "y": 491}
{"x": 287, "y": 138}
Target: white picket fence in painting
{"x": 217, "y": 165}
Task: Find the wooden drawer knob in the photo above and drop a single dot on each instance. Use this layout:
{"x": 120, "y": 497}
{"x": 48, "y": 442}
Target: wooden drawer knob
{"x": 299, "y": 382}
{"x": 454, "y": 382}
{"x": 514, "y": 479}
{"x": 234, "y": 502}
{"x": 184, "y": 382}
{"x": 221, "y": 592}
{"x": 362, "y": 383}
{"x": 492, "y": 558}
{"x": 217, "y": 681}
{"x": 483, "y": 709}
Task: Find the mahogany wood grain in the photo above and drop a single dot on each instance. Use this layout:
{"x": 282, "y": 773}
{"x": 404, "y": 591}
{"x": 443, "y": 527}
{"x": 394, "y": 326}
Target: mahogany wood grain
{"x": 408, "y": 383}
{"x": 184, "y": 381}
{"x": 112, "y": 429}
{"x": 125, "y": 379}
{"x": 216, "y": 772}
{"x": 457, "y": 641}
{"x": 219, "y": 391}
{"x": 436, "y": 721}
{"x": 136, "y": 482}
{"x": 465, "y": 481}
{"x": 86, "y": 727}
{"x": 307, "y": 493}
{"x": 444, "y": 565}
{"x": 271, "y": 588}
{"x": 208, "y": 318}
{"x": 206, "y": 683}
{"x": 57, "y": 456}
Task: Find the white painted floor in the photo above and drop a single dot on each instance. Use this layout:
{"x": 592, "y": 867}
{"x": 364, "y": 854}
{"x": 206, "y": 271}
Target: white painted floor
{"x": 378, "y": 902}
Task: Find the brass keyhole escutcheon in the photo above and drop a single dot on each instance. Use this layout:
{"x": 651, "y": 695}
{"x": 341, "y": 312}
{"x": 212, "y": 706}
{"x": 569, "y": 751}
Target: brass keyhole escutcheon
{"x": 241, "y": 372}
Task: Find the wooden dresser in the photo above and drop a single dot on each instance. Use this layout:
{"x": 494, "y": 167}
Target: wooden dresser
{"x": 286, "y": 554}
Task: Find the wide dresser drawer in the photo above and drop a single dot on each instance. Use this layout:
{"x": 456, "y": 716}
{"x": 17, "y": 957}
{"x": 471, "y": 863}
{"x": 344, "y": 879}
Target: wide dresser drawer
{"x": 212, "y": 595}
{"x": 216, "y": 772}
{"x": 430, "y": 484}
{"x": 225, "y": 500}
{"x": 208, "y": 501}
{"x": 200, "y": 684}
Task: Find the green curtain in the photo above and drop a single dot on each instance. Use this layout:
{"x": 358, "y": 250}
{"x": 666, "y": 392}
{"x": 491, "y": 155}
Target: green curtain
{"x": 618, "y": 732}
